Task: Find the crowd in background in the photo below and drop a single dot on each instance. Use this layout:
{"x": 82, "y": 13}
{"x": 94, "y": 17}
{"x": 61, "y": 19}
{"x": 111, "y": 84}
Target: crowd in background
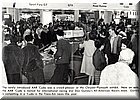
{"x": 105, "y": 41}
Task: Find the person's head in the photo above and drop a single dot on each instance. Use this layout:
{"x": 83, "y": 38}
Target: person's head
{"x": 118, "y": 29}
{"x": 45, "y": 27}
{"x": 17, "y": 26}
{"x": 125, "y": 44}
{"x": 111, "y": 32}
{"x": 112, "y": 27}
{"x": 13, "y": 39}
{"x": 129, "y": 27}
{"x": 7, "y": 31}
{"x": 7, "y": 37}
{"x": 27, "y": 32}
{"x": 92, "y": 35}
{"x": 135, "y": 30}
{"x": 29, "y": 38}
{"x": 50, "y": 24}
{"x": 103, "y": 33}
{"x": 40, "y": 25}
{"x": 60, "y": 27}
{"x": 126, "y": 56}
{"x": 103, "y": 27}
{"x": 94, "y": 26}
{"x": 99, "y": 27}
{"x": 60, "y": 32}
{"x": 122, "y": 34}
{"x": 99, "y": 44}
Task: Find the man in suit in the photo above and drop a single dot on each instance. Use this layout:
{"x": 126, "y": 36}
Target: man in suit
{"x": 62, "y": 59}
{"x": 12, "y": 59}
{"x": 32, "y": 62}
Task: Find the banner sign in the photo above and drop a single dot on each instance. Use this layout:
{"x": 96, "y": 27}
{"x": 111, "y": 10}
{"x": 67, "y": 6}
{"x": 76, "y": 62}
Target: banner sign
{"x": 73, "y": 33}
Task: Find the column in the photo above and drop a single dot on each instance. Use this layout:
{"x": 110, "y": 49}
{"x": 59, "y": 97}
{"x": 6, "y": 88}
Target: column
{"x": 76, "y": 16}
{"x": 47, "y": 17}
{"x": 108, "y": 16}
{"x": 101, "y": 14}
{"x": 10, "y": 11}
{"x": 41, "y": 16}
{"x": 96, "y": 15}
{"x": 17, "y": 15}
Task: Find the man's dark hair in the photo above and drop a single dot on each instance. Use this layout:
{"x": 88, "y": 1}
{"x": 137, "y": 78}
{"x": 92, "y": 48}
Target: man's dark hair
{"x": 40, "y": 24}
{"x": 13, "y": 39}
{"x": 92, "y": 36}
{"x": 50, "y": 23}
{"x": 60, "y": 32}
{"x": 28, "y": 38}
{"x": 7, "y": 37}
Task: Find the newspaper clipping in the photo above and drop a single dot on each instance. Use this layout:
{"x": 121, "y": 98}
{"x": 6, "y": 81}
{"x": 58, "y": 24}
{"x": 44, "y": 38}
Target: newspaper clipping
{"x": 83, "y": 50}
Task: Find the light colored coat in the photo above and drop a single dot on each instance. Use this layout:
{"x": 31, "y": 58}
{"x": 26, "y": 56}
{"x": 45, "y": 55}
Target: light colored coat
{"x": 87, "y": 66}
{"x": 118, "y": 74}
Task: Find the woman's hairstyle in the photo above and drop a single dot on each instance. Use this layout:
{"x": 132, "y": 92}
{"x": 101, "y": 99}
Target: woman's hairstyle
{"x": 98, "y": 43}
{"x": 40, "y": 24}
{"x": 45, "y": 25}
{"x": 104, "y": 32}
{"x": 28, "y": 38}
{"x": 126, "y": 42}
{"x": 7, "y": 37}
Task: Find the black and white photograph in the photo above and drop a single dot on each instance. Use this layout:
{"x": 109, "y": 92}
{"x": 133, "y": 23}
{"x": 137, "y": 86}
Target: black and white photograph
{"x": 68, "y": 44}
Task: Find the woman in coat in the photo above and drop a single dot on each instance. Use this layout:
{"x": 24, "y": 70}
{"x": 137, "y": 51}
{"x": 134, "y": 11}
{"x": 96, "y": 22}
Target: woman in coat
{"x": 99, "y": 60}
{"x": 87, "y": 67}
{"x": 120, "y": 73}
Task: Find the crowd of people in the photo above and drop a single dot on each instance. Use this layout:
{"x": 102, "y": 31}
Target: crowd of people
{"x": 110, "y": 40}
{"x": 104, "y": 45}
